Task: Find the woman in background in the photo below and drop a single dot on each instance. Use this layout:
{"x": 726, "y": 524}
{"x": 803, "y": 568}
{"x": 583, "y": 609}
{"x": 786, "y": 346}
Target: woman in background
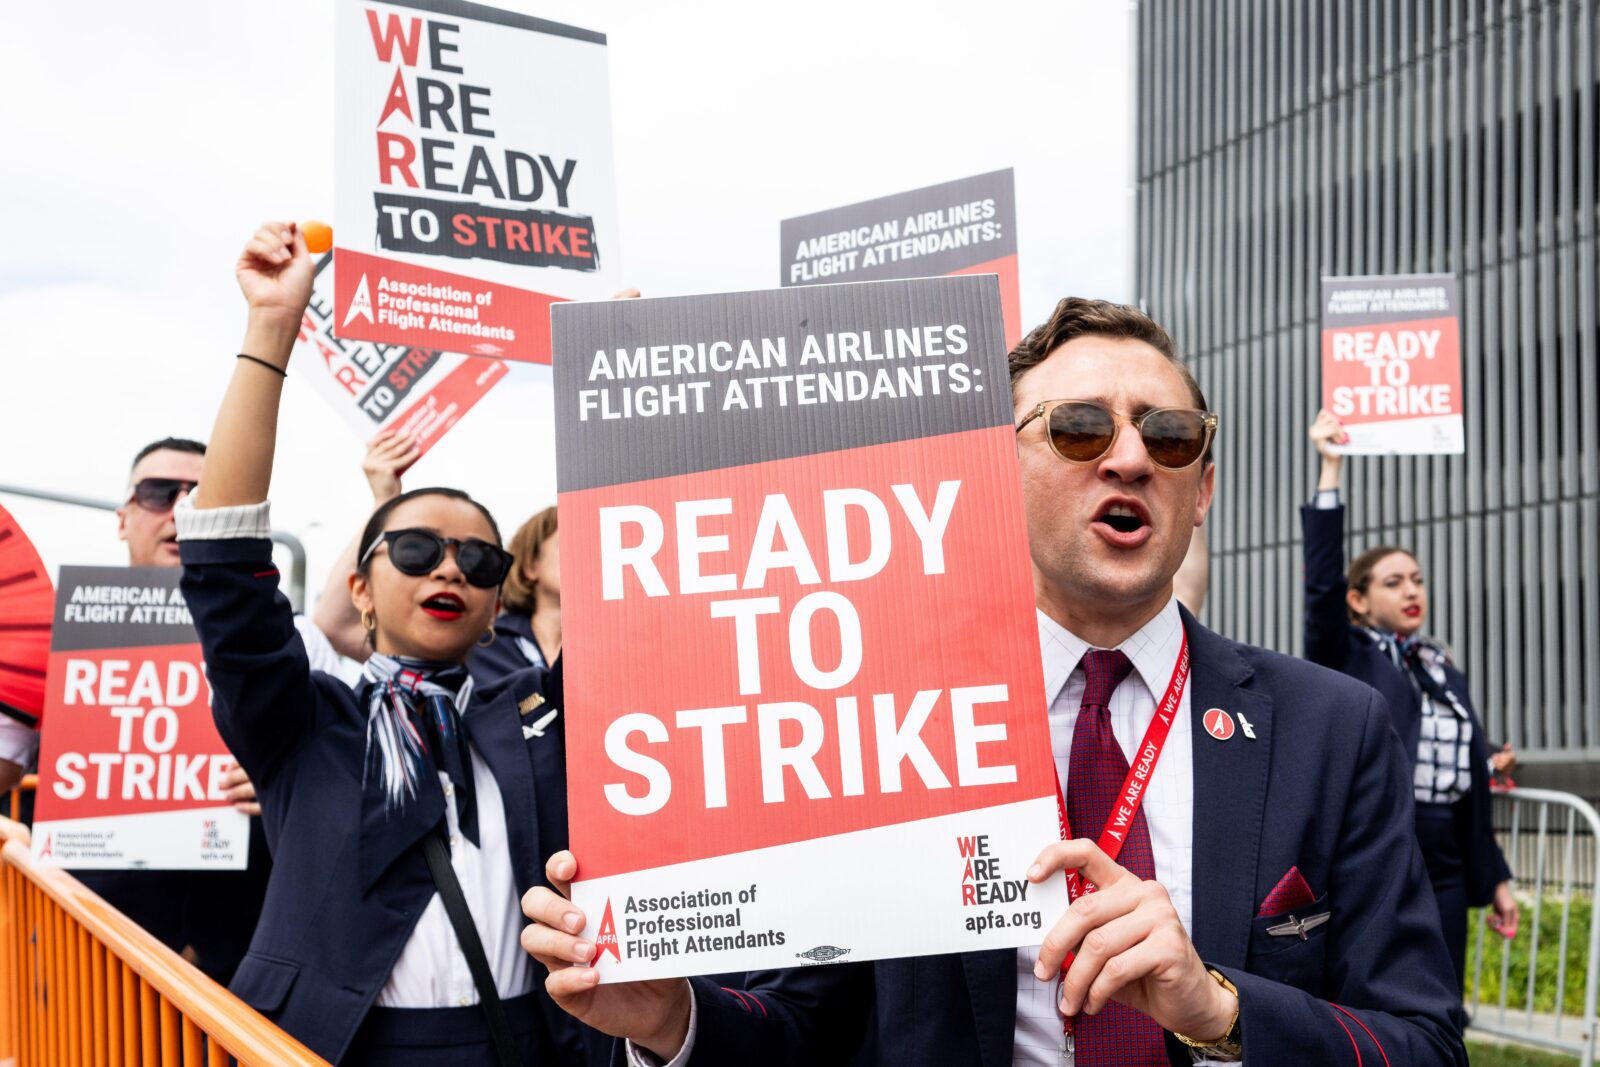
{"x": 1368, "y": 624}
{"x": 528, "y": 632}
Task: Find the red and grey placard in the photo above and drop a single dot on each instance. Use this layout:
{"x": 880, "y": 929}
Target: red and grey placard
{"x": 1391, "y": 362}
{"x": 968, "y": 226}
{"x": 475, "y": 181}
{"x": 799, "y": 632}
{"x": 130, "y": 762}
{"x": 375, "y": 387}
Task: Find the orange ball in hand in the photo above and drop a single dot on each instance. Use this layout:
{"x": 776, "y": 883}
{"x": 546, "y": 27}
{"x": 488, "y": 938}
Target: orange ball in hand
{"x": 319, "y": 236}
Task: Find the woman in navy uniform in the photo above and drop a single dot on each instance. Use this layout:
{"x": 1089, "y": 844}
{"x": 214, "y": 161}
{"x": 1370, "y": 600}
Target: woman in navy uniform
{"x": 383, "y": 802}
{"x": 1368, "y": 624}
{"x": 528, "y": 632}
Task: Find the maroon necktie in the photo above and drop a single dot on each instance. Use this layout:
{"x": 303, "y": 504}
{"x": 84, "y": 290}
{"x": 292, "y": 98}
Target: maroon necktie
{"x": 1118, "y": 1036}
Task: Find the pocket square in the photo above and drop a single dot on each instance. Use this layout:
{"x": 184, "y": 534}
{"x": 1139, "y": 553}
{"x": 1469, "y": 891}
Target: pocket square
{"x": 1290, "y": 893}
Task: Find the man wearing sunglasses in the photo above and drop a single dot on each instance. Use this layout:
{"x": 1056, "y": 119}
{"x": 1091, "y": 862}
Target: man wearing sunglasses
{"x": 163, "y": 473}
{"x": 1265, "y": 902}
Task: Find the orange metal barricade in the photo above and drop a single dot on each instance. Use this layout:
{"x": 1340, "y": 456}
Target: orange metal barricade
{"x": 29, "y": 783}
{"x": 81, "y": 984}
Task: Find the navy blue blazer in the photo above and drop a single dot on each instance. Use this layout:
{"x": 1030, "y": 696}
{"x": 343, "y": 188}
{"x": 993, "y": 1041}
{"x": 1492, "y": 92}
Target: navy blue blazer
{"x": 1333, "y": 641}
{"x": 1323, "y": 787}
{"x": 328, "y": 939}
{"x": 502, "y": 656}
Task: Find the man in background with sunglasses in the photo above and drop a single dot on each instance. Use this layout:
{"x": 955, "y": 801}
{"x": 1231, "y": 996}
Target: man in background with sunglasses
{"x": 1260, "y": 899}
{"x": 163, "y": 473}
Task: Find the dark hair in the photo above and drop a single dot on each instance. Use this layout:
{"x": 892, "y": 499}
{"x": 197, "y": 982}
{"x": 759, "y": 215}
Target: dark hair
{"x": 1361, "y": 568}
{"x": 380, "y": 517}
{"x": 169, "y": 444}
{"x": 517, "y": 594}
{"x": 1075, "y": 316}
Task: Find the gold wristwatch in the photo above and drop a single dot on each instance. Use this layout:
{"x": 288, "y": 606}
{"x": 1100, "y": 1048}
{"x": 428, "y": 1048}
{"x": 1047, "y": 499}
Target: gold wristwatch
{"x": 1228, "y": 1044}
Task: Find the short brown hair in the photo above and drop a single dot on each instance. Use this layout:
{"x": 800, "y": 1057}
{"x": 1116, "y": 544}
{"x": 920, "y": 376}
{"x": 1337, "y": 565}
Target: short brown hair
{"x": 1076, "y": 316}
{"x": 1361, "y": 568}
{"x": 517, "y": 594}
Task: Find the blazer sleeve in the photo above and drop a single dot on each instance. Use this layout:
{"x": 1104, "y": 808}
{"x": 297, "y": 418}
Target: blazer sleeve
{"x": 1327, "y": 619}
{"x": 261, "y": 695}
{"x": 1486, "y": 863}
{"x": 1388, "y": 995}
{"x": 791, "y": 1018}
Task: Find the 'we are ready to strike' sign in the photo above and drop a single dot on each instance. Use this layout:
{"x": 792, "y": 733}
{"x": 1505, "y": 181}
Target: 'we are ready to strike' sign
{"x": 804, "y": 693}
{"x": 475, "y": 182}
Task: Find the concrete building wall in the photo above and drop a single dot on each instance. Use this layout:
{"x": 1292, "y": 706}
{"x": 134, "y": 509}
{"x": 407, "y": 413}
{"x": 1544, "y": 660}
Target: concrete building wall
{"x": 1278, "y": 142}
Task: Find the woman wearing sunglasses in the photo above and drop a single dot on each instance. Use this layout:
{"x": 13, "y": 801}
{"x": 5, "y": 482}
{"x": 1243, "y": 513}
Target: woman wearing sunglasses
{"x": 1368, "y": 624}
{"x": 406, "y": 816}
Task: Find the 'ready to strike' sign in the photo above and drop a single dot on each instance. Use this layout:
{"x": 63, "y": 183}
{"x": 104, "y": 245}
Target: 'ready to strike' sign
{"x": 475, "y": 182}
{"x": 968, "y": 226}
{"x": 803, "y": 687}
{"x": 1391, "y": 362}
{"x": 376, "y": 387}
{"x": 130, "y": 763}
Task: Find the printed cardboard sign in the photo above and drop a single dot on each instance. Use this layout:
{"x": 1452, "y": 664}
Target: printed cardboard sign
{"x": 1391, "y": 362}
{"x": 804, "y": 714}
{"x": 961, "y": 227}
{"x": 377, "y": 387}
{"x": 130, "y": 763}
{"x": 475, "y": 181}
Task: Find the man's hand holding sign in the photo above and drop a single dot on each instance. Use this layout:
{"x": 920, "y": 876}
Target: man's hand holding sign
{"x": 1125, "y": 942}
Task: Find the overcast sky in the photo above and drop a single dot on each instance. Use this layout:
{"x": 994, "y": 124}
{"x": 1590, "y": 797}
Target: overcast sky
{"x": 143, "y": 143}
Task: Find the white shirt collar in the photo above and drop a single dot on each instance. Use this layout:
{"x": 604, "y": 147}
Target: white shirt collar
{"x": 1153, "y": 648}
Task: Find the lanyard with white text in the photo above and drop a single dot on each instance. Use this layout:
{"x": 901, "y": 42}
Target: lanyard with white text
{"x": 1120, "y": 821}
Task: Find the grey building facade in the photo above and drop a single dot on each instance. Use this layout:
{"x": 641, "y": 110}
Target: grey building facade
{"x": 1278, "y": 142}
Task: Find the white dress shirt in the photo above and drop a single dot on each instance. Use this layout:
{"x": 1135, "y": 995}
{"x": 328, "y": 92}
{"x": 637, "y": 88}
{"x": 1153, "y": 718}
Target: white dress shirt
{"x": 1168, "y": 800}
{"x": 432, "y": 970}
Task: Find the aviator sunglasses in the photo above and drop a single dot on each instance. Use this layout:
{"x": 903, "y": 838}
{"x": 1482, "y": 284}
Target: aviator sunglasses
{"x": 159, "y": 494}
{"x": 417, "y": 552}
{"x": 1082, "y": 431}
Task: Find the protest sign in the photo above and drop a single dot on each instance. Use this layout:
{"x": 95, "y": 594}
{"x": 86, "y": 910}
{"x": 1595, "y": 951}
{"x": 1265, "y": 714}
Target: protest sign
{"x": 130, "y": 763}
{"x": 799, "y": 629}
{"x": 377, "y": 387}
{"x": 961, "y": 227}
{"x": 1391, "y": 362}
{"x": 474, "y": 174}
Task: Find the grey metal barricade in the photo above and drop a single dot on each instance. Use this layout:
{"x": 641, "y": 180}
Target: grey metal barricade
{"x": 1554, "y": 872}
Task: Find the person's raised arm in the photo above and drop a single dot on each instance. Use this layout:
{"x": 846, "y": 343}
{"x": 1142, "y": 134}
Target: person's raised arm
{"x": 255, "y": 661}
{"x": 274, "y": 272}
{"x": 388, "y": 456}
{"x": 1327, "y": 622}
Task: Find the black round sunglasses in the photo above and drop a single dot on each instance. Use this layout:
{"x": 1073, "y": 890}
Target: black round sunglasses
{"x": 417, "y": 552}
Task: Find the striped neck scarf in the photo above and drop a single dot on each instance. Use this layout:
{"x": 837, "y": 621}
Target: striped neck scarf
{"x": 414, "y": 734}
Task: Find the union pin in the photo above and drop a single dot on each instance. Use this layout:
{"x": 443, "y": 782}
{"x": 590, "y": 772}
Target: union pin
{"x": 1219, "y": 724}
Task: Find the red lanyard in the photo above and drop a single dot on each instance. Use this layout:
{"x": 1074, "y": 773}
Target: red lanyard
{"x": 1120, "y": 821}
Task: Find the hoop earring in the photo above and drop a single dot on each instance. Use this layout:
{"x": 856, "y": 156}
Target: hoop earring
{"x": 369, "y": 622}
{"x": 481, "y": 643}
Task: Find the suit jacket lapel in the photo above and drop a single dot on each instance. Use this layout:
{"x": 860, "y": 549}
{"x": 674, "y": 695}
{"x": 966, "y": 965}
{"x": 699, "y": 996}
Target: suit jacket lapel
{"x": 992, "y": 986}
{"x": 496, "y": 736}
{"x": 1230, "y": 790}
